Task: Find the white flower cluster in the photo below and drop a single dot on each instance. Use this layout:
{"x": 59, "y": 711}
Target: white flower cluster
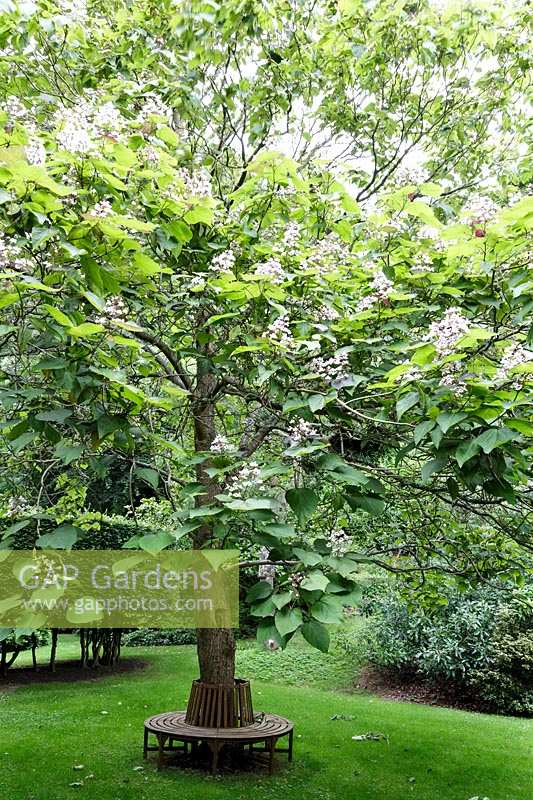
{"x": 295, "y": 580}
{"x": 35, "y": 151}
{"x": 513, "y": 357}
{"x": 328, "y": 313}
{"x": 331, "y": 369}
{"x": 74, "y": 10}
{"x": 153, "y": 107}
{"x": 301, "y": 431}
{"x": 196, "y": 183}
{"x": 222, "y": 445}
{"x": 285, "y": 191}
{"x": 452, "y": 377}
{"x": 223, "y": 262}
{"x": 480, "y": 211}
{"x": 280, "y": 332}
{"x": 446, "y": 332}
{"x": 329, "y": 254}
{"x": 407, "y": 175}
{"x": 12, "y": 256}
{"x": 108, "y": 119}
{"x": 271, "y": 269}
{"x": 424, "y": 263}
{"x": 291, "y": 238}
{"x": 339, "y": 542}
{"x": 149, "y": 153}
{"x": 16, "y": 506}
{"x": 266, "y": 572}
{"x": 248, "y": 477}
{"x": 79, "y": 126}
{"x": 414, "y": 373}
{"x": 14, "y": 108}
{"x": 382, "y": 287}
{"x": 196, "y": 282}
{"x": 115, "y": 310}
{"x": 101, "y": 209}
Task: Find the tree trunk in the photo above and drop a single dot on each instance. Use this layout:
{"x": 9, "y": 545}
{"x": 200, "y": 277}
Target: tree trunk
{"x": 216, "y": 655}
{"x": 216, "y": 646}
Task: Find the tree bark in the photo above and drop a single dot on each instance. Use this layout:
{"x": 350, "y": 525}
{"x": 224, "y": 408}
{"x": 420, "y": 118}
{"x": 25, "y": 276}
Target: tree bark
{"x": 216, "y": 655}
{"x": 216, "y": 646}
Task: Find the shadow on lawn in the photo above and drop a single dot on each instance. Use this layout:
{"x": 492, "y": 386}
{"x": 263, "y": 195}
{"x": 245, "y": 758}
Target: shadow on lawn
{"x": 69, "y": 672}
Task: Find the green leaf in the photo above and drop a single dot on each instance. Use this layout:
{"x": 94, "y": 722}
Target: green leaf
{"x": 315, "y": 581}
{"x": 445, "y": 421}
{"x": 303, "y": 502}
{"x": 288, "y": 620}
{"x": 279, "y": 530}
{"x": 422, "y": 429}
{"x": 151, "y": 476}
{"x": 316, "y": 402}
{"x": 155, "y": 542}
{"x": 317, "y": 635}
{"x": 369, "y": 503}
{"x": 62, "y": 538}
{"x": 267, "y": 630}
{"x": 265, "y": 608}
{"x": 56, "y": 415}
{"x": 328, "y": 609}
{"x": 465, "y": 451}
{"x": 259, "y": 591}
{"x": 494, "y": 437}
{"x": 430, "y": 467}
{"x": 85, "y": 329}
{"x": 68, "y": 452}
{"x": 146, "y": 265}
{"x": 58, "y": 315}
{"x": 40, "y": 177}
{"x": 405, "y": 403}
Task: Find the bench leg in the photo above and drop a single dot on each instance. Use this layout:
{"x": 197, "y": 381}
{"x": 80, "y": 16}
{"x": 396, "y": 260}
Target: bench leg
{"x": 214, "y": 747}
{"x": 271, "y": 748}
{"x": 291, "y": 736}
{"x": 161, "y": 739}
{"x": 145, "y": 746}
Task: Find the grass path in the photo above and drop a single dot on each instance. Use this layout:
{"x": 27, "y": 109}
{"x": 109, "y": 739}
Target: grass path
{"x": 432, "y": 754}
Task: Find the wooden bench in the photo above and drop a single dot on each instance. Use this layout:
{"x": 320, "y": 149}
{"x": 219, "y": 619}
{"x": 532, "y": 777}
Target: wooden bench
{"x": 171, "y": 727}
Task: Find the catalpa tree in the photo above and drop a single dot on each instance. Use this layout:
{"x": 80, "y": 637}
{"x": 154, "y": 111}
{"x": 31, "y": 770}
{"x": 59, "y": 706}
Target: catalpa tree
{"x": 254, "y": 253}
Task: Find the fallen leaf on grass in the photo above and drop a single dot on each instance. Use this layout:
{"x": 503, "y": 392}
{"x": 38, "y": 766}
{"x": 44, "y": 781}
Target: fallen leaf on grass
{"x": 371, "y": 736}
{"x": 78, "y": 766}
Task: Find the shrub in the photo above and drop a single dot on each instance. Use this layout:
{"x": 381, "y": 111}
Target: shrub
{"x": 480, "y": 643}
{"x": 152, "y": 637}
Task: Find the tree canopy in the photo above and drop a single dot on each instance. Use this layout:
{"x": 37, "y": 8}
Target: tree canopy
{"x": 273, "y": 260}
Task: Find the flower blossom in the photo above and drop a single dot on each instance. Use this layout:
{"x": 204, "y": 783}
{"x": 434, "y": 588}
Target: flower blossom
{"x": 101, "y": 209}
{"x": 328, "y": 255}
{"x": 339, "y": 542}
{"x": 35, "y": 151}
{"x": 223, "y": 262}
{"x": 291, "y": 238}
{"x": 272, "y": 270}
{"x": 248, "y": 477}
{"x": 480, "y": 211}
{"x": 222, "y": 445}
{"x": 452, "y": 378}
{"x": 331, "y": 369}
{"x": 513, "y": 357}
{"x": 382, "y": 287}
{"x": 280, "y": 332}
{"x": 301, "y": 431}
{"x": 445, "y": 333}
{"x": 115, "y": 310}
{"x": 196, "y": 183}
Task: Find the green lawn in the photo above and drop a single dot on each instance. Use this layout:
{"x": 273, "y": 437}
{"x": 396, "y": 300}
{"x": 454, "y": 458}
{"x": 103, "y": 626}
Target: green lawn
{"x": 432, "y": 753}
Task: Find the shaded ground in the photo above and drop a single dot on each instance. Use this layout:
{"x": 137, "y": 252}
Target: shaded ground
{"x": 390, "y": 686}
{"x": 68, "y": 672}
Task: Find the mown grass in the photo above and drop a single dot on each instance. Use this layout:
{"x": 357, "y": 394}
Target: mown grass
{"x": 432, "y": 753}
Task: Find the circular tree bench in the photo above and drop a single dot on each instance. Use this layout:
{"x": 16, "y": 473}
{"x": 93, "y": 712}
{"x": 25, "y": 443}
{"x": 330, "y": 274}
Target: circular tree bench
{"x": 171, "y": 727}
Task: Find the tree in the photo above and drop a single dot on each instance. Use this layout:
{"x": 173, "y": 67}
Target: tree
{"x": 197, "y": 283}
